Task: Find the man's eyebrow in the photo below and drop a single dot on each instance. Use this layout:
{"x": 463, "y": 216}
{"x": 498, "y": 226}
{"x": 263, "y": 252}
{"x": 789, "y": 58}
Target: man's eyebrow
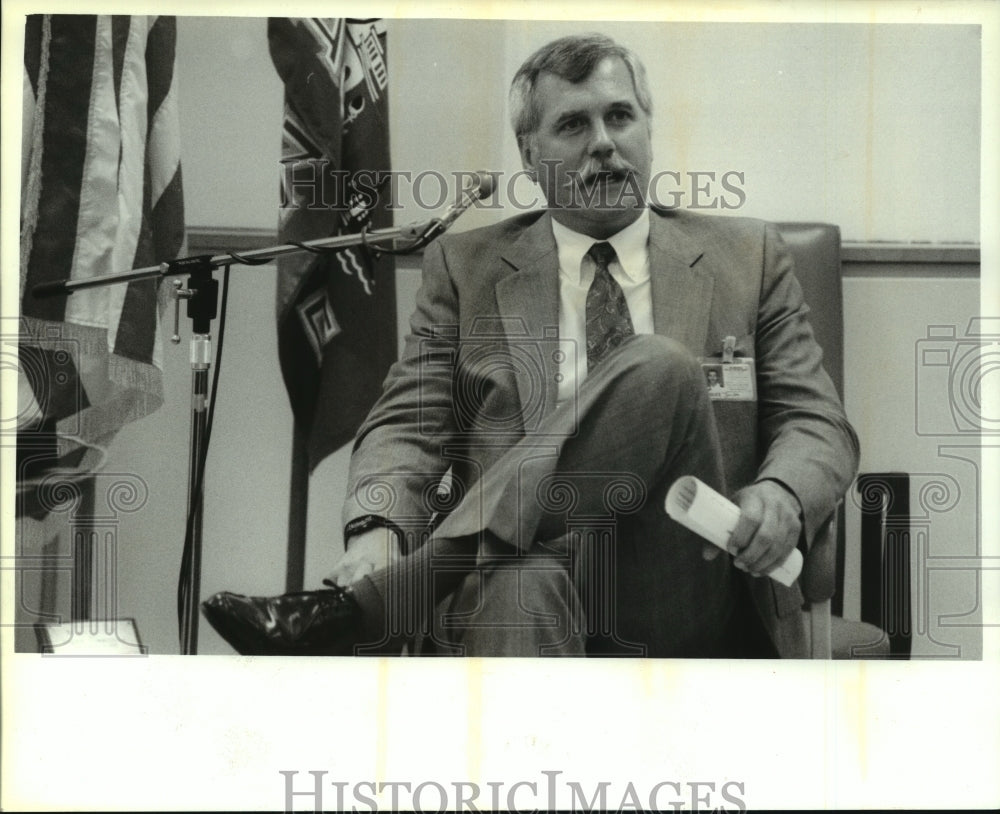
{"x": 566, "y": 115}
{"x": 618, "y": 104}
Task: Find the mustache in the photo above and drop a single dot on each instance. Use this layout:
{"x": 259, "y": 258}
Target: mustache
{"x": 597, "y": 170}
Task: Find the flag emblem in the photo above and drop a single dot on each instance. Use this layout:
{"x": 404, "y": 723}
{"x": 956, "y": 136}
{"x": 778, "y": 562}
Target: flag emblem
{"x": 318, "y": 322}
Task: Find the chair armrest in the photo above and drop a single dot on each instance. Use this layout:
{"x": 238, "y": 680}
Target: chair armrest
{"x": 818, "y": 579}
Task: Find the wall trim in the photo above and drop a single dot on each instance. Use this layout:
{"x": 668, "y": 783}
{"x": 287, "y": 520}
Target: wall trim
{"x": 885, "y": 252}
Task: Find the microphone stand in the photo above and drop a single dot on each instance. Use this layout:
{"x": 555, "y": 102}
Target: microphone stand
{"x": 202, "y": 294}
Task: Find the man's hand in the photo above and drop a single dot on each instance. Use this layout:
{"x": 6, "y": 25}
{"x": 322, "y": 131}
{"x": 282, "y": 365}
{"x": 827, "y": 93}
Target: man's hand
{"x": 768, "y": 529}
{"x": 368, "y": 552}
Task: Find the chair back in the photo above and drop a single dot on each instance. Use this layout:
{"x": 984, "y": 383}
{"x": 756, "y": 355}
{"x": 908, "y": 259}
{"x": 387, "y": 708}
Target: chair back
{"x": 815, "y": 249}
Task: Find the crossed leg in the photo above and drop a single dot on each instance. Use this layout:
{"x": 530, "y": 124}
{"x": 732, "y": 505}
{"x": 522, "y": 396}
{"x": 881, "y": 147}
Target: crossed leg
{"x": 547, "y": 556}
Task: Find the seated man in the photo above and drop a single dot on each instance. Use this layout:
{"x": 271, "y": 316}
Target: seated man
{"x": 554, "y": 371}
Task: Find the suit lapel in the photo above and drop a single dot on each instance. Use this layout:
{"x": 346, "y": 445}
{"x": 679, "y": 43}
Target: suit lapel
{"x": 681, "y": 291}
{"x": 528, "y": 302}
{"x": 528, "y": 297}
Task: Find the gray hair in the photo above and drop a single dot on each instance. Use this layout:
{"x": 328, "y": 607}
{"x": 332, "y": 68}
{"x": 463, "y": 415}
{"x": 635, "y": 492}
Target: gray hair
{"x": 572, "y": 58}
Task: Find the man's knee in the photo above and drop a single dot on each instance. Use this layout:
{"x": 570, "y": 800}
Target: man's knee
{"x": 653, "y": 350}
{"x": 659, "y": 360}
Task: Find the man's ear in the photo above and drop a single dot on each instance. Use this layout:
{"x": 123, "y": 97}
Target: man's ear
{"x": 527, "y": 158}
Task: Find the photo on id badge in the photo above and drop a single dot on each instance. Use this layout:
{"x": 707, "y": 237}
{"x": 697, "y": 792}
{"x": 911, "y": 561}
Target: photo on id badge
{"x": 729, "y": 376}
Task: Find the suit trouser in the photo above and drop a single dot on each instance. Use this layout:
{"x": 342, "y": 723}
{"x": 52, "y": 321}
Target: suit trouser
{"x": 574, "y": 552}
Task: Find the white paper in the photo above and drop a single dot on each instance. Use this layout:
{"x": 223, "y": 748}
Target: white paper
{"x": 708, "y": 514}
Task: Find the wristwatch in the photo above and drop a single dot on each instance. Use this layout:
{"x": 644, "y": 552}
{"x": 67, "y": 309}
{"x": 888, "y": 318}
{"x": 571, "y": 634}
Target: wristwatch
{"x": 367, "y": 522}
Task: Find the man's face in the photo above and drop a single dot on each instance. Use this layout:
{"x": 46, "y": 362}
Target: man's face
{"x": 591, "y": 153}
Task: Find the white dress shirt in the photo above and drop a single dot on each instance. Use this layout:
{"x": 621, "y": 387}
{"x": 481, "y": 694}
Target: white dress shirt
{"x": 576, "y": 273}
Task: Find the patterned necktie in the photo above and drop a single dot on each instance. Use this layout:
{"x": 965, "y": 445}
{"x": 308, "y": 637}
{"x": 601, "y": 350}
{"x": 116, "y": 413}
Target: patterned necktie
{"x": 608, "y": 320}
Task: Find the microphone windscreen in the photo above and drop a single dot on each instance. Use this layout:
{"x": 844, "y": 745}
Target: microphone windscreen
{"x": 484, "y": 184}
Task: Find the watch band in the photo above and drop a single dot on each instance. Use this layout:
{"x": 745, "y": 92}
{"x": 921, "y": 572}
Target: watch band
{"x": 367, "y": 522}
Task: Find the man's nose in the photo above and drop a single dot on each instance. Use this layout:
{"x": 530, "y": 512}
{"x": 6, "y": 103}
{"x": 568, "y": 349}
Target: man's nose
{"x": 601, "y": 143}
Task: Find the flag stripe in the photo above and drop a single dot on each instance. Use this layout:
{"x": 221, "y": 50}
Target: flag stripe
{"x": 161, "y": 231}
{"x": 111, "y": 204}
{"x": 164, "y": 146}
{"x": 134, "y": 124}
{"x": 120, "y": 25}
{"x": 162, "y": 41}
{"x": 36, "y": 60}
{"x": 33, "y": 48}
{"x": 98, "y": 221}
{"x": 65, "y": 137}
{"x": 135, "y": 339}
{"x": 167, "y": 220}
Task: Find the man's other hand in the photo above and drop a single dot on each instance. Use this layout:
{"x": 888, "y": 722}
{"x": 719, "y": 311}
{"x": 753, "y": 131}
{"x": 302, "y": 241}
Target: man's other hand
{"x": 768, "y": 529}
{"x": 369, "y": 551}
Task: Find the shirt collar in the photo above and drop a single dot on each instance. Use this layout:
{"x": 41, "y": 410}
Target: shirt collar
{"x": 631, "y": 245}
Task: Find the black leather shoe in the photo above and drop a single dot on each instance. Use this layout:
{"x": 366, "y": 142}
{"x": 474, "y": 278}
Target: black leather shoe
{"x": 306, "y": 623}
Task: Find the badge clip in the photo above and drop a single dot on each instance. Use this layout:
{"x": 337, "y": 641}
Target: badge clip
{"x": 728, "y": 347}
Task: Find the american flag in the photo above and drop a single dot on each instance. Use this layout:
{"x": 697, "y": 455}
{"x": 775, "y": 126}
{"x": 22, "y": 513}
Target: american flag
{"x": 101, "y": 193}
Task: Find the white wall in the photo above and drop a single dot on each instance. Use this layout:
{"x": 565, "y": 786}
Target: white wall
{"x": 230, "y": 110}
{"x": 875, "y": 129}
{"x": 902, "y": 408}
{"x": 872, "y": 127}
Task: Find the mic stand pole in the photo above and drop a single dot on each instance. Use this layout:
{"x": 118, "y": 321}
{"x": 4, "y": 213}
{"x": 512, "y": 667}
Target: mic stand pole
{"x": 202, "y": 295}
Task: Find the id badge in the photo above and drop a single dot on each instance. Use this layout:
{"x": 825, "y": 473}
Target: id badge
{"x": 731, "y": 378}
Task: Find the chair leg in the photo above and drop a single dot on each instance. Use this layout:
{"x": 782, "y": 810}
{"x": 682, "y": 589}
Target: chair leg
{"x": 820, "y": 636}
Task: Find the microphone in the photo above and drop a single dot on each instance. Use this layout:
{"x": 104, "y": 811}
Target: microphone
{"x": 482, "y": 187}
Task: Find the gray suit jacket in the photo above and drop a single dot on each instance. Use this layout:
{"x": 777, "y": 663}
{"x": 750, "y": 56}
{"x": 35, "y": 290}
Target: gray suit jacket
{"x": 478, "y": 371}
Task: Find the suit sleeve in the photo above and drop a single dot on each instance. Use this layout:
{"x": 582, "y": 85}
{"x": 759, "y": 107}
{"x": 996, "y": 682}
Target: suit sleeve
{"x": 396, "y": 460}
{"x": 806, "y": 441}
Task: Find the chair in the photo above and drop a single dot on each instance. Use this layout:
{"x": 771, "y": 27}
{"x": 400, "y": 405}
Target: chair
{"x": 815, "y": 248}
